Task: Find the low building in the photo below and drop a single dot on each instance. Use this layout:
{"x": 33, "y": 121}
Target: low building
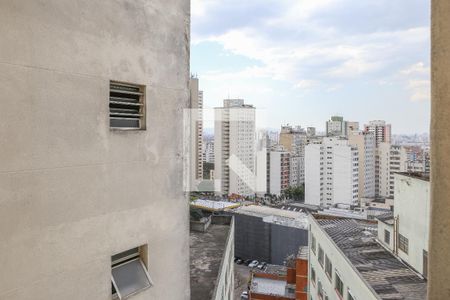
{"x": 405, "y": 232}
{"x": 212, "y": 255}
{"x": 347, "y": 262}
{"x": 269, "y": 234}
{"x": 282, "y": 282}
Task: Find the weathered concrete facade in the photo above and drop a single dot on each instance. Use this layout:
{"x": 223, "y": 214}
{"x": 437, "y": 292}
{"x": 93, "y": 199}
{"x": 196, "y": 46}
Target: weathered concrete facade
{"x": 72, "y": 191}
{"x": 439, "y": 268}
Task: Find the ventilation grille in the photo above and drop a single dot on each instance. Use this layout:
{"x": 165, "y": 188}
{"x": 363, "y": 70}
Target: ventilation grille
{"x": 126, "y": 106}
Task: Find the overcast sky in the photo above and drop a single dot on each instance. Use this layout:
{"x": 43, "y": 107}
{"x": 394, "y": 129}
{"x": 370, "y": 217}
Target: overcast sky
{"x": 301, "y": 61}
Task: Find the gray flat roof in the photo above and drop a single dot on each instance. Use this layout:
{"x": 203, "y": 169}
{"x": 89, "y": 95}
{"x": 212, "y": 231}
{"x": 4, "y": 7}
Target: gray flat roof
{"x": 206, "y": 252}
{"x": 386, "y": 274}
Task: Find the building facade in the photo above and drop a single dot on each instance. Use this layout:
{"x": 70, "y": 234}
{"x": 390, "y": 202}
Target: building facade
{"x": 294, "y": 140}
{"x": 91, "y": 179}
{"x": 331, "y": 173}
{"x": 365, "y": 142}
{"x": 406, "y": 232}
{"x": 234, "y": 138}
{"x": 381, "y": 130}
{"x": 391, "y": 159}
{"x": 278, "y": 161}
{"x": 336, "y": 126}
{"x": 196, "y": 106}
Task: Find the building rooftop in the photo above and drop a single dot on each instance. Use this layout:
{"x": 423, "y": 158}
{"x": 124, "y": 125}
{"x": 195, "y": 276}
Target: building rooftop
{"x": 278, "y": 216}
{"x": 213, "y": 205}
{"x": 382, "y": 271}
{"x": 387, "y": 218}
{"x": 206, "y": 252}
{"x": 267, "y": 286}
{"x": 418, "y": 175}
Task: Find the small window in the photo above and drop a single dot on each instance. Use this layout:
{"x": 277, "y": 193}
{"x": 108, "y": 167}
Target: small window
{"x": 126, "y": 106}
{"x": 328, "y": 267}
{"x": 129, "y": 273}
{"x": 320, "y": 257}
{"x": 313, "y": 275}
{"x": 339, "y": 286}
{"x": 350, "y": 296}
{"x": 403, "y": 243}
{"x": 313, "y": 243}
{"x": 319, "y": 290}
{"x": 387, "y": 237}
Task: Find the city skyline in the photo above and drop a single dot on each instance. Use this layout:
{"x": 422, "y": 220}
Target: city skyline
{"x": 303, "y": 61}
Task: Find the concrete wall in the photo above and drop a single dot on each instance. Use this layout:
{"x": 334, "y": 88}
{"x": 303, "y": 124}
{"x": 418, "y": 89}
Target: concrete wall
{"x": 225, "y": 279}
{"x": 439, "y": 268}
{"x": 285, "y": 241}
{"x": 348, "y": 275}
{"x": 252, "y": 238}
{"x": 412, "y": 207}
{"x": 72, "y": 191}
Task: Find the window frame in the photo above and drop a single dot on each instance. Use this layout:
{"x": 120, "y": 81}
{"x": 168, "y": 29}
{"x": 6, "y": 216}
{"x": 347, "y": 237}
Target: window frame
{"x": 387, "y": 234}
{"x": 403, "y": 243}
{"x": 328, "y": 267}
{"x": 313, "y": 244}
{"x": 321, "y": 256}
{"x": 141, "y": 103}
{"x": 340, "y": 291}
{"x": 134, "y": 256}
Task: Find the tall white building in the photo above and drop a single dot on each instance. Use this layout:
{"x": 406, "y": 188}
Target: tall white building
{"x": 234, "y": 138}
{"x": 365, "y": 142}
{"x": 208, "y": 152}
{"x": 381, "y": 130}
{"x": 196, "y": 159}
{"x": 331, "y": 172}
{"x": 278, "y": 162}
{"x": 392, "y": 159}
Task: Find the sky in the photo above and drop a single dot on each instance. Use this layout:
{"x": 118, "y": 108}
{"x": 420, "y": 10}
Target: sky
{"x": 301, "y": 61}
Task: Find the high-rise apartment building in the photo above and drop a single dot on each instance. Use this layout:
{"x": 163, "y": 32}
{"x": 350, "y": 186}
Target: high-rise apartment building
{"x": 278, "y": 162}
{"x": 196, "y": 159}
{"x": 208, "y": 152}
{"x": 331, "y": 172}
{"x": 91, "y": 174}
{"x": 294, "y": 140}
{"x": 234, "y": 138}
{"x": 392, "y": 159}
{"x": 365, "y": 142}
{"x": 381, "y": 130}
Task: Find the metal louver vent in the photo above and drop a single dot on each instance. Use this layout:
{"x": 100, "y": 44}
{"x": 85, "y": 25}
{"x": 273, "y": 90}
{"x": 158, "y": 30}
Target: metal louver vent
{"x": 126, "y": 106}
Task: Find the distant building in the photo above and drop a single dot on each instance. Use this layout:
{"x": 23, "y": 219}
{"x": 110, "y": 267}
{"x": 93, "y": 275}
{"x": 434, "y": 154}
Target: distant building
{"x": 331, "y": 173}
{"x": 381, "y": 130}
{"x": 351, "y": 128}
{"x": 234, "y": 146}
{"x": 269, "y": 234}
{"x": 278, "y": 162}
{"x": 365, "y": 142}
{"x": 294, "y": 140}
{"x": 211, "y": 258}
{"x": 196, "y": 106}
{"x": 336, "y": 126}
{"x": 208, "y": 152}
{"x": 347, "y": 262}
{"x": 311, "y": 131}
{"x": 392, "y": 159}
